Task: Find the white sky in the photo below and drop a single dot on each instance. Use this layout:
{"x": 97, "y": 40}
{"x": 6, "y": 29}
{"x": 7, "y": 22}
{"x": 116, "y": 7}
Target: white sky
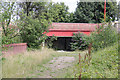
{"x": 72, "y": 4}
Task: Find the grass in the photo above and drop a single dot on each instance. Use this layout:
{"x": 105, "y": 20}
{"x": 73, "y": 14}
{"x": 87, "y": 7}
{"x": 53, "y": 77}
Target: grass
{"x": 30, "y": 63}
{"x": 21, "y": 65}
{"x": 104, "y": 64}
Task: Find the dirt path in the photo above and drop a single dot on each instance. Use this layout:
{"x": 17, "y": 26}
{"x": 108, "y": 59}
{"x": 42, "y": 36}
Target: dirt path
{"x": 60, "y": 66}
{"x": 56, "y": 67}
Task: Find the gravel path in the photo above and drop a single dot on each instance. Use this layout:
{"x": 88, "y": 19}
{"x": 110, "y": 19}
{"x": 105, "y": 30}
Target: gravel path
{"x": 56, "y": 67}
{"x": 60, "y": 63}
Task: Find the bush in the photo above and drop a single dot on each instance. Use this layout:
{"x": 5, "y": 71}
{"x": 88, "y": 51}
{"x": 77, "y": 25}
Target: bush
{"x": 12, "y": 36}
{"x": 78, "y": 42}
{"x": 49, "y": 41}
{"x": 104, "y": 64}
{"x": 107, "y": 36}
{"x": 32, "y": 32}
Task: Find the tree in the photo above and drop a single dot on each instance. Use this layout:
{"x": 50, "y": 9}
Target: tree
{"x": 34, "y": 19}
{"x": 71, "y": 18}
{"x": 8, "y": 12}
{"x": 93, "y": 12}
{"x": 59, "y": 12}
{"x": 118, "y": 15}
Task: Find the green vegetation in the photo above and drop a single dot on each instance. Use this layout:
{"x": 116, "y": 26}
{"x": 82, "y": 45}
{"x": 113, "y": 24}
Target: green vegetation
{"x": 9, "y": 32}
{"x": 103, "y": 61}
{"x": 78, "y": 42}
{"x": 30, "y": 64}
{"x": 59, "y": 12}
{"x": 21, "y": 65}
{"x": 0, "y": 57}
{"x": 92, "y": 12}
{"x": 103, "y": 37}
{"x": 33, "y": 23}
{"x": 34, "y": 19}
{"x": 104, "y": 64}
{"x": 118, "y": 11}
{"x": 32, "y": 34}
{"x": 49, "y": 41}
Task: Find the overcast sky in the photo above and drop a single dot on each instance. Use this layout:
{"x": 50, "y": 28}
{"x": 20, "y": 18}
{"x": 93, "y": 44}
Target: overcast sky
{"x": 72, "y": 4}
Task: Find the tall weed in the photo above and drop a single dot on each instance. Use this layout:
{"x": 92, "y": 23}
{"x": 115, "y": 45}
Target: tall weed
{"x": 103, "y": 37}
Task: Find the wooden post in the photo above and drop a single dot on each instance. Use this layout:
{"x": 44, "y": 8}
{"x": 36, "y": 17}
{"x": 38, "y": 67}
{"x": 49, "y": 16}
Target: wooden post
{"x": 89, "y": 48}
{"x": 80, "y": 76}
{"x": 89, "y": 52}
{"x": 43, "y": 45}
{"x": 80, "y": 67}
{"x": 79, "y": 58}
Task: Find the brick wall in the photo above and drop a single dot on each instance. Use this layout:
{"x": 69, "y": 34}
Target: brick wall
{"x": 14, "y": 48}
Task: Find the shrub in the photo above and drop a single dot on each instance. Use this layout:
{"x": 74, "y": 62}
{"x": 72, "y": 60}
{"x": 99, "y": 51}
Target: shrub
{"x": 32, "y": 32}
{"x": 49, "y": 41}
{"x": 107, "y": 36}
{"x": 78, "y": 42}
{"x": 104, "y": 64}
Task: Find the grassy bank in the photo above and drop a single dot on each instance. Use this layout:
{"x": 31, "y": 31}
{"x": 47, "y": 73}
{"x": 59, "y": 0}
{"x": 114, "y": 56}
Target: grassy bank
{"x": 21, "y": 65}
{"x": 30, "y": 64}
{"x": 103, "y": 64}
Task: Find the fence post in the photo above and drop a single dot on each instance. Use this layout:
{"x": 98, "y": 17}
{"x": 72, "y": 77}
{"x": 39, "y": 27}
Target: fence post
{"x": 43, "y": 45}
{"x": 79, "y": 58}
{"x": 80, "y": 66}
{"x": 89, "y": 48}
{"x": 89, "y": 51}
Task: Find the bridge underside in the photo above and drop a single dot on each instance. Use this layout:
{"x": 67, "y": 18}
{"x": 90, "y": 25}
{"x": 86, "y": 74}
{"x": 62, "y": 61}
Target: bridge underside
{"x": 62, "y": 43}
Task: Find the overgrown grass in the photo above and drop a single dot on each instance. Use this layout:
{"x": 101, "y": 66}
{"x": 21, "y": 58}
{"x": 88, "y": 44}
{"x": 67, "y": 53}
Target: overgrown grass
{"x": 21, "y": 65}
{"x": 104, "y": 64}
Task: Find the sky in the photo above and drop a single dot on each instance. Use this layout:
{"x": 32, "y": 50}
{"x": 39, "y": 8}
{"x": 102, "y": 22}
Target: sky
{"x": 72, "y": 4}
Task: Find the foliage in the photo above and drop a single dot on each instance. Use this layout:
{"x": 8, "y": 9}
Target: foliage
{"x": 104, "y": 64}
{"x": 118, "y": 15}
{"x": 93, "y": 12}
{"x": 39, "y": 9}
{"x": 59, "y": 12}
{"x": 34, "y": 23}
{"x": 9, "y": 34}
{"x": 78, "y": 42}
{"x": 56, "y": 12}
{"x": 49, "y": 41}
{"x": 0, "y": 57}
{"x": 32, "y": 32}
{"x": 71, "y": 18}
{"x": 36, "y": 17}
{"x": 103, "y": 37}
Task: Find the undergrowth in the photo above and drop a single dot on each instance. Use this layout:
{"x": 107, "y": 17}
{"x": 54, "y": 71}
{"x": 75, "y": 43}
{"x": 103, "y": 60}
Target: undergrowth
{"x": 21, "y": 65}
{"x": 104, "y": 64}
